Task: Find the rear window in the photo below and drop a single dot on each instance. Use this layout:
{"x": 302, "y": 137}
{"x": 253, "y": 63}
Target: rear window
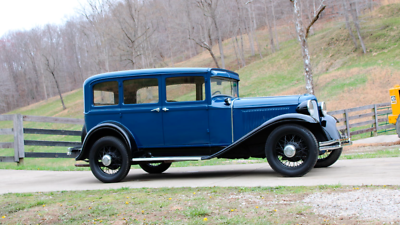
{"x": 105, "y": 93}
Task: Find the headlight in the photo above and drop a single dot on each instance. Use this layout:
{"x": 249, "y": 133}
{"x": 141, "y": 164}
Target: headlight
{"x": 313, "y": 109}
{"x": 324, "y": 109}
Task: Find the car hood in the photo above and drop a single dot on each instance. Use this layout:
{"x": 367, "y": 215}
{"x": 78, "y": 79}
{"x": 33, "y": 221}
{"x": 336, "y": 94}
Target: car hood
{"x": 275, "y": 101}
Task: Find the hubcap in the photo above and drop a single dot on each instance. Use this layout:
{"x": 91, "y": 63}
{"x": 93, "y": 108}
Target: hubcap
{"x": 289, "y": 151}
{"x": 106, "y": 160}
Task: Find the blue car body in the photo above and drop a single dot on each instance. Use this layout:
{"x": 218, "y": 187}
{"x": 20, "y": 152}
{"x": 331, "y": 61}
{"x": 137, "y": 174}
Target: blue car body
{"x": 212, "y": 125}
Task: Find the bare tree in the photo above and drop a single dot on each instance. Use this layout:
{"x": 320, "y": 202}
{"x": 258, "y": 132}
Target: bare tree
{"x": 209, "y": 8}
{"x": 51, "y": 59}
{"x": 348, "y": 26}
{"x": 302, "y": 34}
{"x": 354, "y": 14}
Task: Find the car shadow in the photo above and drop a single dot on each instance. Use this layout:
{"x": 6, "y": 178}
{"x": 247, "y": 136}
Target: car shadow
{"x": 138, "y": 175}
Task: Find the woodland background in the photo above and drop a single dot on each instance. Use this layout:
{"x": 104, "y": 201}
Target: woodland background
{"x": 112, "y": 35}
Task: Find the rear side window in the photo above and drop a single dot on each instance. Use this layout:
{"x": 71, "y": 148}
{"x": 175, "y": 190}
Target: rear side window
{"x": 141, "y": 91}
{"x": 184, "y": 89}
{"x": 105, "y": 93}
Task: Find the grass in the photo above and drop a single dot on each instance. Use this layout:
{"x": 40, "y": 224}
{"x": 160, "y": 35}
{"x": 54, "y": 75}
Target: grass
{"x": 377, "y": 154}
{"x": 211, "y": 205}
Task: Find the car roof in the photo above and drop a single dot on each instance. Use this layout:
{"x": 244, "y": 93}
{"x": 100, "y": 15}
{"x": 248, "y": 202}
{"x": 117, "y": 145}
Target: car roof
{"x": 159, "y": 71}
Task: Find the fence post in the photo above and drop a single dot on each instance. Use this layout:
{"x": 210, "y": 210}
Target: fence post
{"x": 346, "y": 115}
{"x": 19, "y": 152}
{"x": 376, "y": 120}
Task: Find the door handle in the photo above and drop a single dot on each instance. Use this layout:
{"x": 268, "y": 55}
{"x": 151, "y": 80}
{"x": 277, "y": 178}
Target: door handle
{"x": 165, "y": 109}
{"x": 156, "y": 110}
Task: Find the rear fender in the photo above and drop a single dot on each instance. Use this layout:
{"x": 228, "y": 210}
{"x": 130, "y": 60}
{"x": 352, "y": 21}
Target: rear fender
{"x": 107, "y": 129}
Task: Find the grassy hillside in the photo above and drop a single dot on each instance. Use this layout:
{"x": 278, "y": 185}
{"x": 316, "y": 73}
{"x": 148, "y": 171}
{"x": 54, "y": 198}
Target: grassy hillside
{"x": 344, "y": 76}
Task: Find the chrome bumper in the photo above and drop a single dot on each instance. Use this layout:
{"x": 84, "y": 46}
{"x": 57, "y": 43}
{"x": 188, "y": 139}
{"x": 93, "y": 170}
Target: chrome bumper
{"x": 74, "y": 151}
{"x": 334, "y": 144}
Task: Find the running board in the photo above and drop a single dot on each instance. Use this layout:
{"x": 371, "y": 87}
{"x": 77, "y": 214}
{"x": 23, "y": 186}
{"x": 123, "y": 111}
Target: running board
{"x": 167, "y": 159}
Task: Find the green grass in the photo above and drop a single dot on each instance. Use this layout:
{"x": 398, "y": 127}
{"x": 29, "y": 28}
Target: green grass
{"x": 377, "y": 154}
{"x": 68, "y": 164}
{"x": 210, "y": 205}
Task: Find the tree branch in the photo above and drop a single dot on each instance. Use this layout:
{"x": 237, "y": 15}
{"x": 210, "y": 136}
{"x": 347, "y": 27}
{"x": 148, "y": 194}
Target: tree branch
{"x": 316, "y": 17}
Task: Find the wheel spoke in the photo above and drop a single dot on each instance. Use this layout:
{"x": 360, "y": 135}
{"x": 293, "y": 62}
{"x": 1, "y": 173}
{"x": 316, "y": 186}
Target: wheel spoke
{"x": 301, "y": 150}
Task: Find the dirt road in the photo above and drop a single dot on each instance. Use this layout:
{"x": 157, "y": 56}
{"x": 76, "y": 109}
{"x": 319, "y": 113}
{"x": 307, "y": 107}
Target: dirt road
{"x": 384, "y": 171}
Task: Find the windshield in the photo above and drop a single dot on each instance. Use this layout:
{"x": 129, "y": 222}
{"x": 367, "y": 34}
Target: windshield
{"x": 224, "y": 86}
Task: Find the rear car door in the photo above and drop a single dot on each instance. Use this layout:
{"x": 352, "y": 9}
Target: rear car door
{"x": 140, "y": 111}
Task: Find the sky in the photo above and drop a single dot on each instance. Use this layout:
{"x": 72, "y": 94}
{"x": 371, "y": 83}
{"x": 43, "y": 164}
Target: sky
{"x": 26, "y": 14}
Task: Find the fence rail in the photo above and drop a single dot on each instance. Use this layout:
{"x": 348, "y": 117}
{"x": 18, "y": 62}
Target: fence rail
{"x": 377, "y": 110}
{"x": 18, "y": 131}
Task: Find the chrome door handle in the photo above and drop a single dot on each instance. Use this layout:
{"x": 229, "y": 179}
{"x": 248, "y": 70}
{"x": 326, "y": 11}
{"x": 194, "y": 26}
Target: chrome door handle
{"x": 156, "y": 110}
{"x": 165, "y": 109}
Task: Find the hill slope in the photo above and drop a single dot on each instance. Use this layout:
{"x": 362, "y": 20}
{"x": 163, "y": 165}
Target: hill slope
{"x": 343, "y": 76}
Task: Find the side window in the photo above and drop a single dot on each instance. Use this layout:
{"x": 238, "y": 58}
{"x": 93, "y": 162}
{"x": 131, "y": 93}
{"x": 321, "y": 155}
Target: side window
{"x": 184, "y": 89}
{"x": 105, "y": 93}
{"x": 139, "y": 91}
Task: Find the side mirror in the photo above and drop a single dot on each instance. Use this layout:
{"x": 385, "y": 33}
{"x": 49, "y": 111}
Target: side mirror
{"x": 227, "y": 101}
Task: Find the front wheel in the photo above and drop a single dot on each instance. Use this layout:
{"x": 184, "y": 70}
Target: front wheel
{"x": 328, "y": 158}
{"x": 291, "y": 150}
{"x": 398, "y": 126}
{"x": 109, "y": 159}
{"x": 155, "y": 167}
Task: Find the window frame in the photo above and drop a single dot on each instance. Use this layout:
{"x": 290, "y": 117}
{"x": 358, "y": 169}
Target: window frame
{"x": 141, "y": 104}
{"x": 206, "y": 89}
{"x": 105, "y": 106}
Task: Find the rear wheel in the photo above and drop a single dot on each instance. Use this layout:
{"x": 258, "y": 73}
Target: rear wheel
{"x": 109, "y": 159}
{"x": 291, "y": 150}
{"x": 328, "y": 158}
{"x": 398, "y": 126}
{"x": 155, "y": 167}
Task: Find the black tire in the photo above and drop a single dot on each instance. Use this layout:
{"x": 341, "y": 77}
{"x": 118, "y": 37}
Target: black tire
{"x": 153, "y": 168}
{"x": 120, "y": 159}
{"x": 306, "y": 153}
{"x": 328, "y": 158}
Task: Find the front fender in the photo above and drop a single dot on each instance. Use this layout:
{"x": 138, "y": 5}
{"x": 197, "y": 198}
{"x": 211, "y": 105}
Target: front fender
{"x": 330, "y": 129}
{"x": 285, "y": 118}
{"x": 106, "y": 129}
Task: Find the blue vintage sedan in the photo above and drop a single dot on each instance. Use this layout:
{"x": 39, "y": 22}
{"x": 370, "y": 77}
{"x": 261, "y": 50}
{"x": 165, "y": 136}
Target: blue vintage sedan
{"x": 155, "y": 117}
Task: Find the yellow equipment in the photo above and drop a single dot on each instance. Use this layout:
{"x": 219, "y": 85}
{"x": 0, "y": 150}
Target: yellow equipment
{"x": 395, "y": 100}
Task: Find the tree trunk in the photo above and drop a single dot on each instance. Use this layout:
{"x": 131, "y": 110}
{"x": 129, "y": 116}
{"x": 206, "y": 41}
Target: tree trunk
{"x": 348, "y": 26}
{"x": 271, "y": 33}
{"x": 274, "y": 27}
{"x": 221, "y": 48}
{"x": 255, "y": 29}
{"x": 357, "y": 25}
{"x": 304, "y": 48}
{"x": 59, "y": 91}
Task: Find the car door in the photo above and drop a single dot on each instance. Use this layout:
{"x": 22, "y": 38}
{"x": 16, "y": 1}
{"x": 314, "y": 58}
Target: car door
{"x": 140, "y": 111}
{"x": 185, "y": 111}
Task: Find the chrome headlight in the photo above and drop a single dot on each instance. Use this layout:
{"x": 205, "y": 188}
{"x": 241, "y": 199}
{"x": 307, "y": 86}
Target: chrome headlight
{"x": 313, "y": 109}
{"x": 324, "y": 109}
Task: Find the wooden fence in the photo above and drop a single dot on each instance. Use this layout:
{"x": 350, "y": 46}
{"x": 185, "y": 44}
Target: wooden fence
{"x": 18, "y": 131}
{"x": 355, "y": 120}
{"x": 350, "y": 118}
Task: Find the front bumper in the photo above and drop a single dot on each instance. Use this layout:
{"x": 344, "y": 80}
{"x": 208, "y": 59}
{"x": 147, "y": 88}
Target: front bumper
{"x": 334, "y": 144}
